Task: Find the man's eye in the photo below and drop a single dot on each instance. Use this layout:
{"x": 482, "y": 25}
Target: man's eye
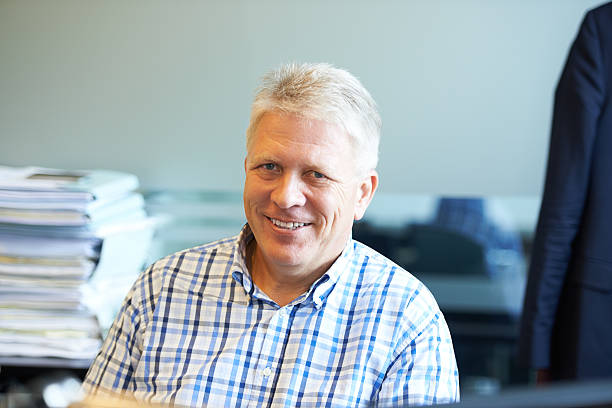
{"x": 269, "y": 166}
{"x": 318, "y": 175}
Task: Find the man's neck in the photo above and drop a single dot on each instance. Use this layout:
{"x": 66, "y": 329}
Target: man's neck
{"x": 281, "y": 284}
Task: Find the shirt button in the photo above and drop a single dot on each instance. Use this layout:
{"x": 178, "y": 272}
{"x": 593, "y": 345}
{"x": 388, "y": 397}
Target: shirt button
{"x": 267, "y": 371}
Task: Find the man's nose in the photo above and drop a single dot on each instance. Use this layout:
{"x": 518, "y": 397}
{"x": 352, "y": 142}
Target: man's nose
{"x": 288, "y": 192}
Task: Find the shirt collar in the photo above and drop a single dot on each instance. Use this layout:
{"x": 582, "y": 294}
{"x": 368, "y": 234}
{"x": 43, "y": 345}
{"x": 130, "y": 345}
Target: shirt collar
{"x": 319, "y": 290}
{"x": 241, "y": 272}
{"x": 324, "y": 286}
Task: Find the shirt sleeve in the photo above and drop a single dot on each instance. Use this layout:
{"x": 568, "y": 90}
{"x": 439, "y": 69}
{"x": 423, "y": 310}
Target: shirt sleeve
{"x": 424, "y": 372}
{"x": 112, "y": 371}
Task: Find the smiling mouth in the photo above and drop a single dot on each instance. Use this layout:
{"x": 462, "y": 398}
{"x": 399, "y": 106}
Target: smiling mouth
{"x": 288, "y": 225}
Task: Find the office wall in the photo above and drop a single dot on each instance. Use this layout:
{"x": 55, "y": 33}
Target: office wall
{"x": 162, "y": 88}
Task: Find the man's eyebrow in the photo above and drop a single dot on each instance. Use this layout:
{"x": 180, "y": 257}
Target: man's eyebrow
{"x": 262, "y": 157}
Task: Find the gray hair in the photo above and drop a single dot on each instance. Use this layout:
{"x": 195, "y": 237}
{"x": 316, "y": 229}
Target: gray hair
{"x": 322, "y": 92}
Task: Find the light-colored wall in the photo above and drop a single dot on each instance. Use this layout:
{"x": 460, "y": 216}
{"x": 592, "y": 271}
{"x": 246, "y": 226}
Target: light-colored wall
{"x": 162, "y": 88}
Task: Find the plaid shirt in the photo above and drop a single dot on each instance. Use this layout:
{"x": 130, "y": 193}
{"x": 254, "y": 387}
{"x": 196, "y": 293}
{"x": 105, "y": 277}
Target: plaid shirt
{"x": 194, "y": 330}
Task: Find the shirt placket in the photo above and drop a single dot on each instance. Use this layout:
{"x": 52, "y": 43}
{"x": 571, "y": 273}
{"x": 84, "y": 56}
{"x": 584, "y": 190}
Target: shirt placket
{"x": 271, "y": 356}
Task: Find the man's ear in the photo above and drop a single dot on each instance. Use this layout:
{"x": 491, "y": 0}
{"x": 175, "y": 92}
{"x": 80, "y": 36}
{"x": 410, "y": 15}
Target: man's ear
{"x": 365, "y": 193}
{"x": 245, "y": 162}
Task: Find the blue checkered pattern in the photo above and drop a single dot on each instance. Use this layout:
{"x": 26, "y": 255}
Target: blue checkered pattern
{"x": 195, "y": 331}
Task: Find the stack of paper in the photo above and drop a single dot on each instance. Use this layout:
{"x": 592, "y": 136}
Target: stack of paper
{"x": 71, "y": 243}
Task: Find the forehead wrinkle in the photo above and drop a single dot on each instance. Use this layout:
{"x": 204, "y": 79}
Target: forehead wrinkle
{"x": 282, "y": 141}
{"x": 305, "y": 125}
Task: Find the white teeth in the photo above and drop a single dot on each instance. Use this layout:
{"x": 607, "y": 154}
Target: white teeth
{"x": 287, "y": 225}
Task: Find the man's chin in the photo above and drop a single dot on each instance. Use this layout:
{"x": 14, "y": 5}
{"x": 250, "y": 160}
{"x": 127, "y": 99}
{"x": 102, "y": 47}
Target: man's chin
{"x": 285, "y": 256}
{"x": 286, "y": 261}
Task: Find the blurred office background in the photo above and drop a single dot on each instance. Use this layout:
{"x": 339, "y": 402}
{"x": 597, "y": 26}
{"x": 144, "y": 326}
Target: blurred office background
{"x": 162, "y": 90}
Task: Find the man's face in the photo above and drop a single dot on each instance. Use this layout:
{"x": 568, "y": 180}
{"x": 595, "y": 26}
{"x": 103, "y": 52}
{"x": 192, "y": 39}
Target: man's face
{"x": 302, "y": 191}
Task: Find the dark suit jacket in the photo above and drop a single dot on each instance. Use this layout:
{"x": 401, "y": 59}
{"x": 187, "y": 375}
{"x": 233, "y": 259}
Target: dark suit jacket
{"x": 567, "y": 316}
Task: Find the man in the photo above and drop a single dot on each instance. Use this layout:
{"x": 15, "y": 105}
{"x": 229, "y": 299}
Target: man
{"x": 291, "y": 311}
{"x": 566, "y": 327}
